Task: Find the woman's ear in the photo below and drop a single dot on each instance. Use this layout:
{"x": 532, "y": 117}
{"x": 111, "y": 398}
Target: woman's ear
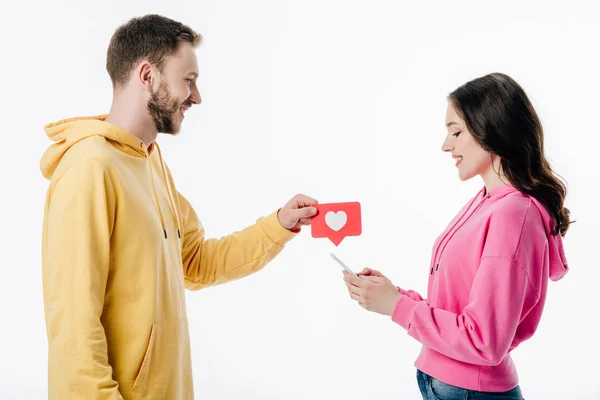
{"x": 497, "y": 165}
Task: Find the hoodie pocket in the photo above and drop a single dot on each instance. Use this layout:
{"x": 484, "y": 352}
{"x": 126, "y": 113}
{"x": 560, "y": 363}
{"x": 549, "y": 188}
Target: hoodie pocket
{"x": 166, "y": 370}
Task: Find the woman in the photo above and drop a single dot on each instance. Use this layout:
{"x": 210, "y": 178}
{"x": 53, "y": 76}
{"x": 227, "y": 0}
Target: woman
{"x": 490, "y": 268}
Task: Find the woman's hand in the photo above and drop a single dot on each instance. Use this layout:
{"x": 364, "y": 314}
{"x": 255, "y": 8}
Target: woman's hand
{"x": 373, "y": 291}
{"x": 372, "y": 272}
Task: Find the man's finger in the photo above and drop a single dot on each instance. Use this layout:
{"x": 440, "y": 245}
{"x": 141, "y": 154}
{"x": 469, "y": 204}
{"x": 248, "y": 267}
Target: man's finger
{"x": 305, "y": 212}
{"x": 303, "y": 200}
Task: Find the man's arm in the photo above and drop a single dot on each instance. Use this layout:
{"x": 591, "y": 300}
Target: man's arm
{"x": 76, "y": 251}
{"x": 209, "y": 262}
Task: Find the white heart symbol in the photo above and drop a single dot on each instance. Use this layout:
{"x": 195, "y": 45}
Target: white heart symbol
{"x": 336, "y": 221}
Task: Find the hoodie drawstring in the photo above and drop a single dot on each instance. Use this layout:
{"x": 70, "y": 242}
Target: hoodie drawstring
{"x": 173, "y": 211}
{"x": 162, "y": 220}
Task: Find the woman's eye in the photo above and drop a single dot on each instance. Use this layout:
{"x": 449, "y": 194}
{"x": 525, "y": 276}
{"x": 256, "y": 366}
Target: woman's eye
{"x": 457, "y": 133}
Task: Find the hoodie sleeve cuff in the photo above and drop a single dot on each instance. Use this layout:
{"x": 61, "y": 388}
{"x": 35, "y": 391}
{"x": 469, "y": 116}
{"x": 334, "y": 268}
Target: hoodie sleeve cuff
{"x": 275, "y": 231}
{"x": 403, "y": 311}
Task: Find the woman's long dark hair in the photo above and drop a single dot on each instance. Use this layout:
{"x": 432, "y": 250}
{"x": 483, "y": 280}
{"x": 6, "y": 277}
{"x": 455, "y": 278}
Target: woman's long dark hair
{"x": 502, "y": 120}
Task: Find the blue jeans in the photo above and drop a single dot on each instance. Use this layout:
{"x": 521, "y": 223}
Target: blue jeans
{"x": 434, "y": 389}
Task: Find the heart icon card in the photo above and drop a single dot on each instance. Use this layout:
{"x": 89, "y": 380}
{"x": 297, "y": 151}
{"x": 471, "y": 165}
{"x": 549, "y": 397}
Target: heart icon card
{"x": 336, "y": 221}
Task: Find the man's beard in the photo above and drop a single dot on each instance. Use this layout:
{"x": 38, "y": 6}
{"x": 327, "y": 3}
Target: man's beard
{"x": 163, "y": 109}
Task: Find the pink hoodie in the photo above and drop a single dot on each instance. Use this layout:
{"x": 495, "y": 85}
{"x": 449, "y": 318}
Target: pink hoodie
{"x": 487, "y": 286}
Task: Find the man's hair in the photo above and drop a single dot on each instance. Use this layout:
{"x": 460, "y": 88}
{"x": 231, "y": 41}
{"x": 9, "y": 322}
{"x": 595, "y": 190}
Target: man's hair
{"x": 151, "y": 37}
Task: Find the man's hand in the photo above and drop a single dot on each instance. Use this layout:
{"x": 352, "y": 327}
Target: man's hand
{"x": 297, "y": 212}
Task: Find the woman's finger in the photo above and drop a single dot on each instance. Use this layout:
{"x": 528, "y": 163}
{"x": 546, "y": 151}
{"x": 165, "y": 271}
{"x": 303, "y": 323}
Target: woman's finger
{"x": 354, "y": 280}
{"x": 370, "y": 272}
{"x": 353, "y": 289}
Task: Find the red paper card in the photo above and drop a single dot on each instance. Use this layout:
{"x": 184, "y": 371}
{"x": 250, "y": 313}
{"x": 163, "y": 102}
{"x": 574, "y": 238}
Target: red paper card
{"x": 336, "y": 221}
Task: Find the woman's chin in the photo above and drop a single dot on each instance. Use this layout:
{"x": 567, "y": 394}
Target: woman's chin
{"x": 464, "y": 176}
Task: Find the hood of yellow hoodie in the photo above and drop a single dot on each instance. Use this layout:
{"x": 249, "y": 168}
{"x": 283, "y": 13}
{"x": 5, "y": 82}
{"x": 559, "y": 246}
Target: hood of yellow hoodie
{"x": 67, "y": 132}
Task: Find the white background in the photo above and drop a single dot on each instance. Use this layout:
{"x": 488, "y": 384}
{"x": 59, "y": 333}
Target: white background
{"x": 340, "y": 100}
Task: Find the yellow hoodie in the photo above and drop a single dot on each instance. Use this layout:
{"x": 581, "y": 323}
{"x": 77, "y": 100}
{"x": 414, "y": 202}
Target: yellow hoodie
{"x": 120, "y": 245}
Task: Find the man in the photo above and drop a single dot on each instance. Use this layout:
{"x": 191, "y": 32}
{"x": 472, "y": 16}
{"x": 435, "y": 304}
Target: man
{"x": 120, "y": 243}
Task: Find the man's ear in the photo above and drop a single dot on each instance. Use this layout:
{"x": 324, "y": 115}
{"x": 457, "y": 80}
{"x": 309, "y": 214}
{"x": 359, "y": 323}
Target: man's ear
{"x": 146, "y": 76}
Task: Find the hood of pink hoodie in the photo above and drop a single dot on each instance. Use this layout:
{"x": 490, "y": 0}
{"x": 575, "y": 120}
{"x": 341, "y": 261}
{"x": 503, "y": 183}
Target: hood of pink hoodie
{"x": 558, "y": 262}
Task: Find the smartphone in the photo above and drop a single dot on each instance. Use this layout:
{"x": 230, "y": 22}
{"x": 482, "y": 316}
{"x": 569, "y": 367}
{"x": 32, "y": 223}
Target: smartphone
{"x": 342, "y": 264}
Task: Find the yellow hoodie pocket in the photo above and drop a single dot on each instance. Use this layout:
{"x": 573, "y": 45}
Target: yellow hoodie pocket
{"x": 166, "y": 371}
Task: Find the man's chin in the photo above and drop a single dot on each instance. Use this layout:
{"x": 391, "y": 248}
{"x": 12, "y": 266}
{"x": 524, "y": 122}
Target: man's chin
{"x": 174, "y": 133}
{"x": 174, "y": 130}
{"x": 177, "y": 129}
